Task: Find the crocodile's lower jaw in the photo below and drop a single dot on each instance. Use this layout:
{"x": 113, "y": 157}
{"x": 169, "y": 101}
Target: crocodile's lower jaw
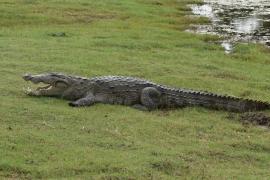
{"x": 36, "y": 90}
{"x": 31, "y": 92}
{"x": 39, "y": 86}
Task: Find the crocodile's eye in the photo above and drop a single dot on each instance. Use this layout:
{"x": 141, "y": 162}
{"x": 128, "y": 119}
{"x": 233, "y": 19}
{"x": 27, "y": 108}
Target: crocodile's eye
{"x": 60, "y": 84}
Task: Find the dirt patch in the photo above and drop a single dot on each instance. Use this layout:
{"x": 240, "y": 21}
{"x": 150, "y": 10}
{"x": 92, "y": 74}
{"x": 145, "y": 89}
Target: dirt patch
{"x": 166, "y": 166}
{"x": 229, "y": 75}
{"x": 86, "y": 17}
{"x": 255, "y": 118}
{"x": 158, "y": 3}
{"x": 8, "y": 171}
{"x": 251, "y": 118}
{"x": 58, "y": 34}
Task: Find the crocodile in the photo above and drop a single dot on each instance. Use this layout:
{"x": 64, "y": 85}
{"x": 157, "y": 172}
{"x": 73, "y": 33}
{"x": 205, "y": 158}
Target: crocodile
{"x": 130, "y": 91}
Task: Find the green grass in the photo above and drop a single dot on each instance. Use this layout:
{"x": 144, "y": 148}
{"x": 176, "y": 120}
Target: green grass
{"x": 45, "y": 138}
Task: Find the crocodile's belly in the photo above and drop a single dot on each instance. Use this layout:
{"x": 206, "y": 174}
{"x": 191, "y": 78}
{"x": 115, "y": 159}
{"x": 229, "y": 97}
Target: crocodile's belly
{"x": 124, "y": 98}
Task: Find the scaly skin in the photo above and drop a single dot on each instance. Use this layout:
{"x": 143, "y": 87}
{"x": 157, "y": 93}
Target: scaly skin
{"x": 135, "y": 92}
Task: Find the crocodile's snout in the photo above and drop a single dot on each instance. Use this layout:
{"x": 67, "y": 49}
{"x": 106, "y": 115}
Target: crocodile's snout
{"x": 27, "y": 77}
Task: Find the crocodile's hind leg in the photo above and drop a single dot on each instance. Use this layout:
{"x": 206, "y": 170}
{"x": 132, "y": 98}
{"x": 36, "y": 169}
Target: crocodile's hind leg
{"x": 86, "y": 101}
{"x": 150, "y": 99}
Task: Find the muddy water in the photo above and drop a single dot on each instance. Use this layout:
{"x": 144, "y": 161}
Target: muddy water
{"x": 236, "y": 20}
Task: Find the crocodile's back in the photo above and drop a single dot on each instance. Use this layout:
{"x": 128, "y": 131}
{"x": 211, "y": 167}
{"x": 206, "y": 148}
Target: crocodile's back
{"x": 120, "y": 89}
{"x": 122, "y": 83}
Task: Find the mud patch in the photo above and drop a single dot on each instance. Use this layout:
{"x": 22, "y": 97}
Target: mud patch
{"x": 255, "y": 119}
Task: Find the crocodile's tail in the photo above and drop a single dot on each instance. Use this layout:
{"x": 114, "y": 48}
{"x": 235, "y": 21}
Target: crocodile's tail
{"x": 234, "y": 104}
{"x": 214, "y": 101}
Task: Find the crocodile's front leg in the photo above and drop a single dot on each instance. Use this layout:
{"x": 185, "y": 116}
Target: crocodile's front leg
{"x": 85, "y": 101}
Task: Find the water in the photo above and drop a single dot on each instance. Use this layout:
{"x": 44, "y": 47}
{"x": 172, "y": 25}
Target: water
{"x": 236, "y": 20}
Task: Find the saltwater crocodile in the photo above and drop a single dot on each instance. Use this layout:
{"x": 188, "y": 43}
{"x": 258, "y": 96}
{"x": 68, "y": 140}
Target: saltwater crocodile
{"x": 135, "y": 92}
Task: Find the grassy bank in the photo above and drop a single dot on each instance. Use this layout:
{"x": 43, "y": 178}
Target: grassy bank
{"x": 45, "y": 138}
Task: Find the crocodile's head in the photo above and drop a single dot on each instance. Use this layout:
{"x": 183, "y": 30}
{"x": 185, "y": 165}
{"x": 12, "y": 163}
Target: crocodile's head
{"x": 56, "y": 84}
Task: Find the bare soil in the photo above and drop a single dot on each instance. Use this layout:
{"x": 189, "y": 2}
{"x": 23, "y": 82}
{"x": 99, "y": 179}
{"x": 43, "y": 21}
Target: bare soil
{"x": 255, "y": 118}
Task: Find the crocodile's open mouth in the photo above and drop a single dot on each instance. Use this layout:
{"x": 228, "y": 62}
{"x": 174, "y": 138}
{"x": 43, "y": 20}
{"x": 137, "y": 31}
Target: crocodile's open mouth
{"x": 44, "y": 85}
{"x": 36, "y": 84}
{"x": 39, "y": 86}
